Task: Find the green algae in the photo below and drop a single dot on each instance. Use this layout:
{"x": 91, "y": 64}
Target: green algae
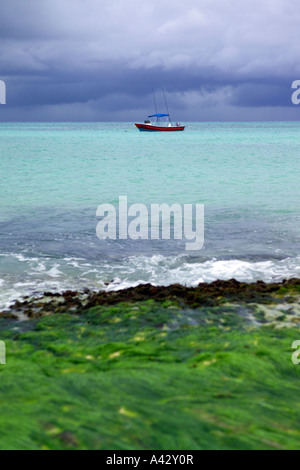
{"x": 150, "y": 375}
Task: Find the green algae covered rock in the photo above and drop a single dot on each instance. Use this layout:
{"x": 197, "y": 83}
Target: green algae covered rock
{"x": 152, "y": 374}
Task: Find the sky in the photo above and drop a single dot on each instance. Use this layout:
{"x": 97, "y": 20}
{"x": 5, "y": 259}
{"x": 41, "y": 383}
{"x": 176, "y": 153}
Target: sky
{"x": 99, "y": 60}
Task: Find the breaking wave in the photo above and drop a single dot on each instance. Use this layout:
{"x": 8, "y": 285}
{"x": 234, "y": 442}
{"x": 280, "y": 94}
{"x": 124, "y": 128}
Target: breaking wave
{"x": 32, "y": 276}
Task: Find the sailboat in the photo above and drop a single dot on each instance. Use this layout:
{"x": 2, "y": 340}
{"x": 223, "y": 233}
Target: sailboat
{"x": 159, "y": 122}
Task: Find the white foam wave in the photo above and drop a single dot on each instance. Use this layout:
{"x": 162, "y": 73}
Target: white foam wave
{"x": 34, "y": 276}
{"x": 166, "y": 271}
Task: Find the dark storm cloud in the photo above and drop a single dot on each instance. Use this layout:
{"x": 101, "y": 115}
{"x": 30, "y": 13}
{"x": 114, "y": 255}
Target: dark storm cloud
{"x": 94, "y": 60}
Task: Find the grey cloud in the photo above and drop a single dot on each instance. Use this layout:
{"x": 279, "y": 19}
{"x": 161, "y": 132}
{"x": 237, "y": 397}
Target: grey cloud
{"x": 57, "y": 56}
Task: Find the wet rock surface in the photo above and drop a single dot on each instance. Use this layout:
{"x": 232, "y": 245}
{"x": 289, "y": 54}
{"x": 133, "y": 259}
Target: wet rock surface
{"x": 205, "y": 295}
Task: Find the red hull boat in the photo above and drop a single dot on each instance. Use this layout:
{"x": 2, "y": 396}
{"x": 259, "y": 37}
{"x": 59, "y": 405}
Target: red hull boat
{"x": 153, "y": 128}
{"x": 159, "y": 122}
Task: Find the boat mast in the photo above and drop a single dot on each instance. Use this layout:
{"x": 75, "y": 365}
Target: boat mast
{"x": 154, "y": 101}
{"x": 166, "y": 104}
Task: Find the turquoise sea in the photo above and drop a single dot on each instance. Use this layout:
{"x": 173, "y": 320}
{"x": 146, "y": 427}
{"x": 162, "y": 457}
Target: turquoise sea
{"x": 55, "y": 175}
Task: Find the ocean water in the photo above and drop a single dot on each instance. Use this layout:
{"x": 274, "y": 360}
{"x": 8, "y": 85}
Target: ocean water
{"x": 54, "y": 176}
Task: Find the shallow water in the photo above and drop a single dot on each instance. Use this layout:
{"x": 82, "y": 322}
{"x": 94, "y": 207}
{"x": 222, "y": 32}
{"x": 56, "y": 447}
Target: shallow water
{"x": 54, "y": 176}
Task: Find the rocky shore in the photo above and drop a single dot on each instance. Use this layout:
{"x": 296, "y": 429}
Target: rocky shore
{"x": 205, "y": 295}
